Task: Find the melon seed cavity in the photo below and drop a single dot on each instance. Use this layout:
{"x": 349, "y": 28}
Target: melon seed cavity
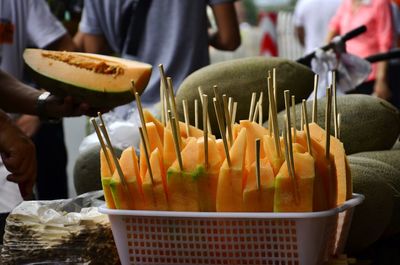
{"x": 91, "y": 64}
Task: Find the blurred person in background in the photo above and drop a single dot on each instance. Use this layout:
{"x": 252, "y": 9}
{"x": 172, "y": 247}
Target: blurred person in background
{"x": 394, "y": 65}
{"x": 311, "y": 20}
{"x": 30, "y": 23}
{"x": 376, "y": 16}
{"x": 174, "y": 33}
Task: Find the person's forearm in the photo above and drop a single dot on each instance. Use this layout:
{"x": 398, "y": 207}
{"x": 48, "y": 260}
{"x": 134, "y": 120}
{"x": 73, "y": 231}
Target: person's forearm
{"x": 16, "y": 97}
{"x": 381, "y": 71}
{"x": 331, "y": 34}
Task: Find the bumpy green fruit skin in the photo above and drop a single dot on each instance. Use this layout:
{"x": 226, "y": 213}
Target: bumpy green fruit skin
{"x": 238, "y": 79}
{"x": 379, "y": 214}
{"x": 87, "y": 170}
{"x": 367, "y": 123}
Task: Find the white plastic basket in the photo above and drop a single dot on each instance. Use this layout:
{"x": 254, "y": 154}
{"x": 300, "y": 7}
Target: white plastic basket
{"x": 151, "y": 237}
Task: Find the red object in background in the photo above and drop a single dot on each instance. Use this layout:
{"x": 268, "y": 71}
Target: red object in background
{"x": 269, "y": 45}
{"x": 397, "y": 2}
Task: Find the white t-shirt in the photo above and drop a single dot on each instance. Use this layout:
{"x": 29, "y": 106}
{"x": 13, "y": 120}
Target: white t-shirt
{"x": 314, "y": 16}
{"x": 23, "y": 23}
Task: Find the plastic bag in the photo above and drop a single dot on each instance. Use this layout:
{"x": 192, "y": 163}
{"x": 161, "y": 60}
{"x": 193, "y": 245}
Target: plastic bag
{"x": 58, "y": 232}
{"x": 352, "y": 71}
{"x": 122, "y": 126}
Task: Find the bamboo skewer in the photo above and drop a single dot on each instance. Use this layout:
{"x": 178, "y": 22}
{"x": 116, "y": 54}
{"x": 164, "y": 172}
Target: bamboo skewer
{"x": 114, "y": 157}
{"x": 335, "y": 113}
{"x": 205, "y": 129}
{"x": 173, "y": 105}
{"x": 196, "y": 113}
{"x": 221, "y": 129}
{"x": 234, "y": 112}
{"x": 162, "y": 101}
{"x": 141, "y": 115}
{"x": 339, "y": 121}
{"x": 228, "y": 122}
{"x": 274, "y": 118}
{"x": 166, "y": 93}
{"x": 294, "y": 118}
{"x": 307, "y": 130}
{"x": 260, "y": 110}
{"x": 230, "y": 106}
{"x": 289, "y": 160}
{"x": 176, "y": 140}
{"x": 301, "y": 119}
{"x": 258, "y": 107}
{"x": 328, "y": 121}
{"x": 315, "y": 103}
{"x": 201, "y": 99}
{"x": 146, "y": 154}
{"x": 287, "y": 108}
{"x": 102, "y": 144}
{"x": 252, "y": 105}
{"x": 288, "y": 125}
{"x": 186, "y": 116}
{"x": 258, "y": 157}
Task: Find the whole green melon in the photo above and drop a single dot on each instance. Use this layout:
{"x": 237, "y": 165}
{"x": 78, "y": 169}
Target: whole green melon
{"x": 379, "y": 214}
{"x": 238, "y": 79}
{"x": 367, "y": 123}
{"x": 87, "y": 170}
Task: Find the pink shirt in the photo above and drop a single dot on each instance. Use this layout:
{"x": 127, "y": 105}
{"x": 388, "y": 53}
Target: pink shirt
{"x": 376, "y": 15}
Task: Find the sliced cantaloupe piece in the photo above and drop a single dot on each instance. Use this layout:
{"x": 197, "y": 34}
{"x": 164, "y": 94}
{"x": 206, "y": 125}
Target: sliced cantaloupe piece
{"x": 220, "y": 147}
{"x": 101, "y": 81}
{"x": 155, "y": 193}
{"x": 105, "y": 175}
{"x": 285, "y": 198}
{"x": 260, "y": 199}
{"x": 253, "y": 131}
{"x": 271, "y": 154}
{"x": 235, "y": 130}
{"x": 325, "y": 186}
{"x": 148, "y": 117}
{"x": 182, "y": 185}
{"x": 339, "y": 155}
{"x": 230, "y": 180}
{"x": 131, "y": 196}
{"x": 154, "y": 142}
{"x": 207, "y": 183}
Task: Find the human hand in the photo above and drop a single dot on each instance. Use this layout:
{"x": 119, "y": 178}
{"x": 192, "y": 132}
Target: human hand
{"x": 69, "y": 107}
{"x": 381, "y": 89}
{"x": 18, "y": 154}
{"x": 28, "y": 124}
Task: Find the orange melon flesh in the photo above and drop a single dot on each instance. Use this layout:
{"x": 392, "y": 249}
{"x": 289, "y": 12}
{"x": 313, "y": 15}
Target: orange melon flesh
{"x": 154, "y": 142}
{"x": 253, "y": 131}
{"x": 235, "y": 130}
{"x": 131, "y": 196}
{"x": 207, "y": 183}
{"x": 284, "y": 200}
{"x": 325, "y": 188}
{"x": 230, "y": 180}
{"x": 155, "y": 194}
{"x": 106, "y": 175}
{"x": 148, "y": 117}
{"x": 221, "y": 149}
{"x": 182, "y": 185}
{"x": 193, "y": 131}
{"x": 260, "y": 200}
{"x": 344, "y": 189}
{"x": 271, "y": 155}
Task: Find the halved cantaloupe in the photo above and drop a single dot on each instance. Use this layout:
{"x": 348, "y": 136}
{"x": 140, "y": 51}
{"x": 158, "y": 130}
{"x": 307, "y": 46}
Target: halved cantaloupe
{"x": 105, "y": 174}
{"x": 101, "y": 81}
{"x": 260, "y": 199}
{"x": 182, "y": 184}
{"x": 285, "y": 198}
{"x": 230, "y": 179}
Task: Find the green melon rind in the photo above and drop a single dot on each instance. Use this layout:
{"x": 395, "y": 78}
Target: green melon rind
{"x": 194, "y": 175}
{"x": 367, "y": 123}
{"x": 96, "y": 99}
